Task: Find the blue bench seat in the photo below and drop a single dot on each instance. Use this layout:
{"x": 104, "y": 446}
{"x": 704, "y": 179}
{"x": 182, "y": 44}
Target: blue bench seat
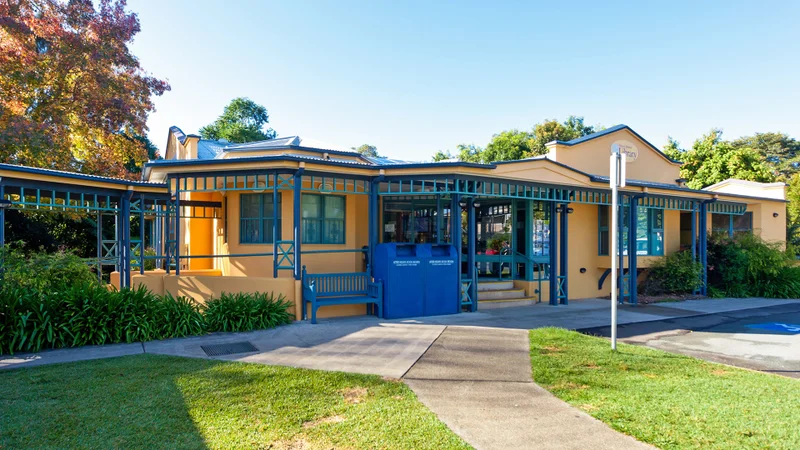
{"x": 352, "y": 288}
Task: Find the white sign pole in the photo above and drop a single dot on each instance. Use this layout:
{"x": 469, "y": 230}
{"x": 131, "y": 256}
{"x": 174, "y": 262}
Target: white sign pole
{"x": 616, "y": 180}
{"x": 613, "y": 249}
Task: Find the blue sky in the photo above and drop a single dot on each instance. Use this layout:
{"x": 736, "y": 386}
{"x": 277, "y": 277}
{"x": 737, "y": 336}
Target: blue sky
{"x": 416, "y": 77}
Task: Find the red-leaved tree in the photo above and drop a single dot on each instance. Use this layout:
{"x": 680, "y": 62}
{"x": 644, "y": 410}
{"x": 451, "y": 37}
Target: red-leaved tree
{"x": 72, "y": 96}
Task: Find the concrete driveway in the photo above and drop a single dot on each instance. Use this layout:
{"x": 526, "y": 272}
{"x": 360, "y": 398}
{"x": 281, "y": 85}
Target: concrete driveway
{"x": 765, "y": 339}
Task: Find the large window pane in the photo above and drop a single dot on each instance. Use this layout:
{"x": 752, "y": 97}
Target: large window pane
{"x": 743, "y": 223}
{"x": 256, "y": 218}
{"x": 656, "y": 232}
{"x": 323, "y": 219}
{"x": 311, "y": 206}
{"x": 720, "y": 223}
{"x": 642, "y": 232}
{"x": 251, "y": 206}
{"x": 334, "y": 207}
{"x": 649, "y": 239}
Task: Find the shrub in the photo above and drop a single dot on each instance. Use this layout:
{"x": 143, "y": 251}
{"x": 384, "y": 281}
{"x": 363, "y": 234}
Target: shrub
{"x": 178, "y": 317}
{"x": 91, "y": 314}
{"x": 54, "y": 301}
{"x": 675, "y": 274}
{"x": 41, "y": 271}
{"x": 747, "y": 266}
{"x": 244, "y": 312}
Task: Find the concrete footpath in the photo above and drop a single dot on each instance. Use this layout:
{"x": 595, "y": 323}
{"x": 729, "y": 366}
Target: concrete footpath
{"x": 478, "y": 382}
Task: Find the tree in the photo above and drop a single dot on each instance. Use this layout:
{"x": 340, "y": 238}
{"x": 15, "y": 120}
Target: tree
{"x": 778, "y": 149}
{"x": 442, "y": 156}
{"x": 72, "y": 92}
{"x": 150, "y": 148}
{"x": 673, "y": 150}
{"x": 469, "y": 153}
{"x": 712, "y": 160}
{"x": 367, "y": 150}
{"x": 553, "y": 130}
{"x": 509, "y": 145}
{"x": 241, "y": 121}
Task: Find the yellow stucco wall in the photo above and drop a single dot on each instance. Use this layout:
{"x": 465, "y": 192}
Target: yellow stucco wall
{"x": 592, "y": 157}
{"x": 769, "y": 227}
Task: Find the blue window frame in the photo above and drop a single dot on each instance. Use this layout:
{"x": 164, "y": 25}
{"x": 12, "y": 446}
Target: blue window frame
{"x": 731, "y": 224}
{"x": 323, "y": 219}
{"x": 649, "y": 231}
{"x": 256, "y": 217}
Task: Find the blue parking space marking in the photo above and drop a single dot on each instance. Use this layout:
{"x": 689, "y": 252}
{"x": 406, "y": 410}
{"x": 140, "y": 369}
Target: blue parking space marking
{"x": 789, "y": 328}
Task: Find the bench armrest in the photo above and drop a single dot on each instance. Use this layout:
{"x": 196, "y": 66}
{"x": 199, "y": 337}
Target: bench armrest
{"x": 375, "y": 289}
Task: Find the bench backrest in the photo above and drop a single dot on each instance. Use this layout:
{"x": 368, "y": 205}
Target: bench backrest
{"x": 333, "y": 284}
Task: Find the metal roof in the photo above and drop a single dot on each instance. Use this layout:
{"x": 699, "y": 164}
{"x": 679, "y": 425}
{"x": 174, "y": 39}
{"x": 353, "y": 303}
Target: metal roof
{"x": 207, "y": 149}
{"x": 77, "y": 176}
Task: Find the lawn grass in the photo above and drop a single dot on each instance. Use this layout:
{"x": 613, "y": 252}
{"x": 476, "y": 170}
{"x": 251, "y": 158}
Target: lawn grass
{"x": 668, "y": 400}
{"x": 149, "y": 401}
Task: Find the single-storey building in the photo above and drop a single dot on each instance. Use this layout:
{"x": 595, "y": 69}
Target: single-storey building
{"x": 222, "y": 217}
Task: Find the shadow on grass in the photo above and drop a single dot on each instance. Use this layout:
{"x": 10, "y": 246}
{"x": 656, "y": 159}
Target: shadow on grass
{"x": 113, "y": 403}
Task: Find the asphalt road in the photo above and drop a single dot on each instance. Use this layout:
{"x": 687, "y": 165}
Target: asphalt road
{"x": 765, "y": 339}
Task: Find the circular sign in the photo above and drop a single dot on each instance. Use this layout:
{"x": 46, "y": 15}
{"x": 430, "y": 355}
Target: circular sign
{"x": 626, "y": 148}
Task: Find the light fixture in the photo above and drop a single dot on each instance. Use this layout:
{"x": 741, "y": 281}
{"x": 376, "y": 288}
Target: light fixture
{"x": 5, "y": 203}
{"x": 258, "y": 187}
{"x": 477, "y": 204}
{"x": 774, "y": 214}
{"x": 462, "y": 204}
{"x": 570, "y": 210}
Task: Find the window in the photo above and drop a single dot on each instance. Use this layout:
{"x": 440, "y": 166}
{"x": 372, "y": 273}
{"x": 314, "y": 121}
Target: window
{"x": 649, "y": 231}
{"x": 323, "y": 219}
{"x": 732, "y": 225}
{"x": 256, "y": 218}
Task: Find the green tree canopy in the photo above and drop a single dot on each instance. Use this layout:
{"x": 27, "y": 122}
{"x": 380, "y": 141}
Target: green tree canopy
{"x": 242, "y": 120}
{"x": 712, "y": 160}
{"x": 469, "y": 153}
{"x": 515, "y": 144}
{"x": 673, "y": 150}
{"x": 367, "y": 150}
{"x": 779, "y": 150}
{"x": 509, "y": 145}
{"x": 442, "y": 156}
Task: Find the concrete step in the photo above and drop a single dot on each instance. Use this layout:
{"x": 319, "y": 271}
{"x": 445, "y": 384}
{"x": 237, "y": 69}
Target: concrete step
{"x": 495, "y": 285}
{"x": 505, "y": 294}
{"x": 506, "y": 303}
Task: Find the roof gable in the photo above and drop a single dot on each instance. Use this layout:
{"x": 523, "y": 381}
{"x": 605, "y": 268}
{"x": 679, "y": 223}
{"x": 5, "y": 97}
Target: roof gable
{"x": 612, "y": 130}
{"x": 590, "y": 154}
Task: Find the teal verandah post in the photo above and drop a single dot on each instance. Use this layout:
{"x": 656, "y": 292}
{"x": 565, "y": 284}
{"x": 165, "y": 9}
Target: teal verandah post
{"x": 141, "y": 234}
{"x": 125, "y": 239}
{"x": 455, "y": 237}
{"x": 553, "y": 250}
{"x": 694, "y": 234}
{"x": 703, "y": 232}
{"x": 297, "y": 227}
{"x": 564, "y": 254}
{"x": 2, "y": 219}
{"x": 471, "y": 238}
{"x": 621, "y": 249}
{"x": 177, "y": 226}
{"x": 632, "y": 249}
{"x": 275, "y": 217}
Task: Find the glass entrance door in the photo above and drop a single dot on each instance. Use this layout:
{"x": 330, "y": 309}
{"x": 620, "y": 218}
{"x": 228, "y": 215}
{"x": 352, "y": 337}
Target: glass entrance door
{"x": 496, "y": 236}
